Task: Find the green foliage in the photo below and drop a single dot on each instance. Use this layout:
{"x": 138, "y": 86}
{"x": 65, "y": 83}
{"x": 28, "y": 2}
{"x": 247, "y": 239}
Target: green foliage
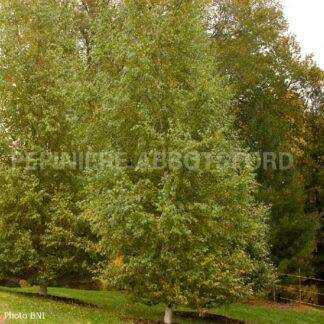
{"x": 262, "y": 61}
{"x": 312, "y": 147}
{"x": 42, "y": 236}
{"x": 171, "y": 234}
{"x": 147, "y": 77}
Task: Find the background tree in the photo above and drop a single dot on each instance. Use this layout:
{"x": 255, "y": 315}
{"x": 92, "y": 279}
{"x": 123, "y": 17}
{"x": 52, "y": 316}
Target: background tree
{"x": 42, "y": 236}
{"x": 311, "y": 88}
{"x": 172, "y": 234}
{"x": 261, "y": 60}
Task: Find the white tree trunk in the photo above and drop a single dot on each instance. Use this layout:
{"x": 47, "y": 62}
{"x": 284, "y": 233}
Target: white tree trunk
{"x": 43, "y": 290}
{"x": 168, "y": 315}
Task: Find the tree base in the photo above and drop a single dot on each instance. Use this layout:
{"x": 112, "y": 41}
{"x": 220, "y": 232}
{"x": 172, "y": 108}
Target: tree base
{"x": 42, "y": 290}
{"x": 168, "y": 315}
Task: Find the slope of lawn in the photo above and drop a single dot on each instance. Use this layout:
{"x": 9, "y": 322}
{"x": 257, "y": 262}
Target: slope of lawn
{"x": 113, "y": 307}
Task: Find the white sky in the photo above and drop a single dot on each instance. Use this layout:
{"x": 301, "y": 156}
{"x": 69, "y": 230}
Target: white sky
{"x": 306, "y": 20}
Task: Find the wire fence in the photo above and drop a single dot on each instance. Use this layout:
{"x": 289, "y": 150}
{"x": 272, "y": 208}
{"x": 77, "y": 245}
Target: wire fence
{"x": 297, "y": 292}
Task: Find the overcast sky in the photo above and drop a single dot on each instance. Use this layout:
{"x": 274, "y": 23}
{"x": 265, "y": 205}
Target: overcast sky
{"x": 306, "y": 20}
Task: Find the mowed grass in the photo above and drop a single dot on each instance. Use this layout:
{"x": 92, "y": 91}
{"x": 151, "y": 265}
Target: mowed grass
{"x": 113, "y": 308}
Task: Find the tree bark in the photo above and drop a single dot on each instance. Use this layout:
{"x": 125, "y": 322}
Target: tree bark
{"x": 168, "y": 314}
{"x": 43, "y": 290}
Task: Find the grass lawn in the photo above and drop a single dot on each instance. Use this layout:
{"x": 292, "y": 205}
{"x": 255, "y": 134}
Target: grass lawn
{"x": 113, "y": 307}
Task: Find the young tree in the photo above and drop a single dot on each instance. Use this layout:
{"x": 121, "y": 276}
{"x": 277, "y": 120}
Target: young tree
{"x": 174, "y": 232}
{"x": 42, "y": 236}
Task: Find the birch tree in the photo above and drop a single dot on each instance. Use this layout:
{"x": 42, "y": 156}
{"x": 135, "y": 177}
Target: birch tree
{"x": 174, "y": 232}
{"x": 42, "y": 236}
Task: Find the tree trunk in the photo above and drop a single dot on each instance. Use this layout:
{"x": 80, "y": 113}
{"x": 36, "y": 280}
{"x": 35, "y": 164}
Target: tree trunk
{"x": 43, "y": 290}
{"x": 168, "y": 314}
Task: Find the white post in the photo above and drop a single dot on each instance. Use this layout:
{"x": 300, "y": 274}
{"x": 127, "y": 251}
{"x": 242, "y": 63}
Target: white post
{"x": 168, "y": 314}
{"x": 300, "y": 289}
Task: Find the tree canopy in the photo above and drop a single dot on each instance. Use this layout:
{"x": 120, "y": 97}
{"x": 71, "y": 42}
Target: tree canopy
{"x": 43, "y": 237}
{"x": 173, "y": 234}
